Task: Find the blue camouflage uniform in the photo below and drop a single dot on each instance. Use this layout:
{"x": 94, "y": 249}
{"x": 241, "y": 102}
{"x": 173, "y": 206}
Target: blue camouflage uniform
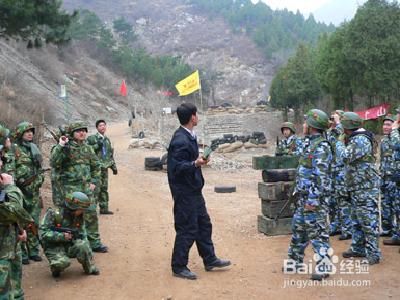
{"x": 388, "y": 186}
{"x": 363, "y": 186}
{"x": 395, "y": 138}
{"x": 313, "y": 185}
{"x": 339, "y": 202}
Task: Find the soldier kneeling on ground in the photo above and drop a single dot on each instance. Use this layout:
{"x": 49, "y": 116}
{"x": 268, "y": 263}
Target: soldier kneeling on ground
{"x": 63, "y": 235}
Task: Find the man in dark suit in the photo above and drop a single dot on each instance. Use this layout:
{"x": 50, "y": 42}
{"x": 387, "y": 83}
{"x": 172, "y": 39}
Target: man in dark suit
{"x": 192, "y": 222}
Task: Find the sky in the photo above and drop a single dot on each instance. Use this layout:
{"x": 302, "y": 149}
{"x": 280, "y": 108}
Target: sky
{"x": 335, "y": 11}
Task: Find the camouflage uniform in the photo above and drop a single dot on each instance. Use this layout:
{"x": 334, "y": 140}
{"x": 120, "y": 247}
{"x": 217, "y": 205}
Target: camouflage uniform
{"x": 11, "y": 214}
{"x": 57, "y": 248}
{"x": 104, "y": 151}
{"x": 8, "y": 155}
{"x": 363, "y": 186}
{"x": 339, "y": 202}
{"x": 395, "y": 138}
{"x": 313, "y": 185}
{"x": 290, "y": 145}
{"x": 57, "y": 189}
{"x": 29, "y": 178}
{"x": 388, "y": 186}
{"x": 79, "y": 167}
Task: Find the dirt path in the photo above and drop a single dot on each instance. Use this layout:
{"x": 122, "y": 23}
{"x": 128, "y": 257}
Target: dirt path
{"x": 140, "y": 236}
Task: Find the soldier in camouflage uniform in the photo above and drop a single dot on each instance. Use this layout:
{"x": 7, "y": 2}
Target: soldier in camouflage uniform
{"x": 363, "y": 185}
{"x": 13, "y": 218}
{"x": 339, "y": 202}
{"x": 8, "y": 152}
{"x": 29, "y": 178}
{"x": 291, "y": 143}
{"x": 395, "y": 139}
{"x": 57, "y": 189}
{"x": 313, "y": 186}
{"x": 104, "y": 151}
{"x": 388, "y": 186}
{"x": 79, "y": 169}
{"x": 63, "y": 235}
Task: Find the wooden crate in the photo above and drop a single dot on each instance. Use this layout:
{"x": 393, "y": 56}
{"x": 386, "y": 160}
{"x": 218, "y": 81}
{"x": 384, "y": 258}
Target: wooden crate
{"x": 271, "y": 209}
{"x": 275, "y": 162}
{"x": 275, "y": 191}
{"x": 270, "y": 227}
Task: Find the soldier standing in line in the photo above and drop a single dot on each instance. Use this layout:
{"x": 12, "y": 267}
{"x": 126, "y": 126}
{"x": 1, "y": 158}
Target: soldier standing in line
{"x": 291, "y": 143}
{"x": 13, "y": 218}
{"x": 339, "y": 203}
{"x": 313, "y": 185}
{"x": 363, "y": 185}
{"x": 79, "y": 169}
{"x": 388, "y": 186}
{"x": 395, "y": 139}
{"x": 29, "y": 178}
{"x": 104, "y": 151}
{"x": 63, "y": 235}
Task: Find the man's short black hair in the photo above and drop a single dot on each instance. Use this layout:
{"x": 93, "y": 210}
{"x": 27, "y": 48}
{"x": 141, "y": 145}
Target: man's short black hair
{"x": 185, "y": 111}
{"x": 100, "y": 121}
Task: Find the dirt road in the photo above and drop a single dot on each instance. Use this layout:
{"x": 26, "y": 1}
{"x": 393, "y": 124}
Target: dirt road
{"x": 140, "y": 236}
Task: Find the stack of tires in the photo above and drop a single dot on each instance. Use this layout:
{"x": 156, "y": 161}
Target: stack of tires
{"x": 275, "y": 192}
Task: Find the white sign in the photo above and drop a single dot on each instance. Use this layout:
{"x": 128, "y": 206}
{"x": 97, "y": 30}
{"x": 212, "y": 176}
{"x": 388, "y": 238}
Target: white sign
{"x": 63, "y": 92}
{"x": 166, "y": 110}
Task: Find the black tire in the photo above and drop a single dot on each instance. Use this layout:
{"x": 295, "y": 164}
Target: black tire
{"x": 274, "y": 175}
{"x": 228, "y": 136}
{"x": 262, "y": 141}
{"x": 130, "y": 122}
{"x": 152, "y": 162}
{"x": 158, "y": 168}
{"x": 164, "y": 159}
{"x": 225, "y": 189}
{"x": 141, "y": 135}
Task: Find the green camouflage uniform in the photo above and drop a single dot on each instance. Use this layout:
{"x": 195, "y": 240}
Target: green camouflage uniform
{"x": 29, "y": 178}
{"x": 104, "y": 151}
{"x": 57, "y": 189}
{"x": 59, "y": 250}
{"x": 79, "y": 167}
{"x": 11, "y": 214}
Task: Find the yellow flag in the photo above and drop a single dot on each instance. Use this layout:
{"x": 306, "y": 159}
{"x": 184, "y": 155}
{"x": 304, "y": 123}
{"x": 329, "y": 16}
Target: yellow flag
{"x": 189, "y": 85}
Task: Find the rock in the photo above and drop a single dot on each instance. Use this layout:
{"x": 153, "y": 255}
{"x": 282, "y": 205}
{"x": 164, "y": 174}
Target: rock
{"x": 249, "y": 145}
{"x": 233, "y": 147}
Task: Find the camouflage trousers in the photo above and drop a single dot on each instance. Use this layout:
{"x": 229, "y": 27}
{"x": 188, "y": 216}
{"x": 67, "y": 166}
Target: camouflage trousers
{"x": 396, "y": 213}
{"x": 57, "y": 191}
{"x": 59, "y": 256}
{"x": 11, "y": 277}
{"x": 309, "y": 227}
{"x": 365, "y": 217}
{"x": 388, "y": 198}
{"x": 32, "y": 206}
{"x": 103, "y": 193}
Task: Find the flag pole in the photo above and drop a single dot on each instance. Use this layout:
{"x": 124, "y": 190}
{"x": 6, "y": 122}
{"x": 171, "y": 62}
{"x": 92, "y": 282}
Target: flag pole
{"x": 204, "y": 115}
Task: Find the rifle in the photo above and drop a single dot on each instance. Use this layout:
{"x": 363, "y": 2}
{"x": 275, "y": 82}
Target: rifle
{"x": 76, "y": 235}
{"x": 23, "y": 183}
{"x": 52, "y": 133}
{"x": 292, "y": 197}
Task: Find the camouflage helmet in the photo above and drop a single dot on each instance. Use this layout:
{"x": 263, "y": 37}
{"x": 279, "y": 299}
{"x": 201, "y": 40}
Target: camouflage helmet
{"x": 22, "y": 128}
{"x": 78, "y": 200}
{"x": 389, "y": 117}
{"x": 289, "y": 125}
{"x": 76, "y": 126}
{"x": 318, "y": 119}
{"x": 4, "y": 135}
{"x": 351, "y": 120}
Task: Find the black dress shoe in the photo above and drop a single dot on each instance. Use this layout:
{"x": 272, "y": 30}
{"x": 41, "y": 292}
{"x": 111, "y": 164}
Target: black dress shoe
{"x": 344, "y": 237}
{"x": 35, "y": 258}
{"x": 25, "y": 261}
{"x": 185, "y": 274}
{"x": 218, "y": 263}
{"x": 349, "y": 253}
{"x": 101, "y": 249}
{"x": 106, "y": 212}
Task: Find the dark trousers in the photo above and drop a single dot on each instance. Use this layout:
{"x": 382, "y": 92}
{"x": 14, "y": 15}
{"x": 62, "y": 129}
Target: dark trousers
{"x": 192, "y": 224}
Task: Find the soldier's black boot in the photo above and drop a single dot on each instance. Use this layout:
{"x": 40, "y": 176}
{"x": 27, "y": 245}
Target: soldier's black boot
{"x": 35, "y": 258}
{"x": 100, "y": 249}
{"x": 55, "y": 274}
{"x": 344, "y": 237}
{"x": 319, "y": 277}
{"x": 349, "y": 253}
{"x": 25, "y": 261}
{"x": 391, "y": 242}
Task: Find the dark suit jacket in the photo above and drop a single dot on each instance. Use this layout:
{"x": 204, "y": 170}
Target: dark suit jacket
{"x": 183, "y": 176}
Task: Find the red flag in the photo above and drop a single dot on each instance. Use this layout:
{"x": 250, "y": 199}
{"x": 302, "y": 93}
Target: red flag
{"x": 123, "y": 89}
